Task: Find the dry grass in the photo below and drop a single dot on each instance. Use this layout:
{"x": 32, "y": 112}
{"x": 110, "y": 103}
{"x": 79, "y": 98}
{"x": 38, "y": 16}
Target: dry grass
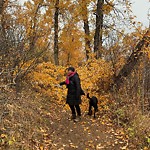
{"x": 24, "y": 119}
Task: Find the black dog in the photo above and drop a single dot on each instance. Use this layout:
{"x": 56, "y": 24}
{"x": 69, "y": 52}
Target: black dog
{"x": 92, "y": 103}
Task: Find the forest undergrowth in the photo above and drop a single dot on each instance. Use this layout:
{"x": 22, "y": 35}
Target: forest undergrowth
{"x": 38, "y": 118}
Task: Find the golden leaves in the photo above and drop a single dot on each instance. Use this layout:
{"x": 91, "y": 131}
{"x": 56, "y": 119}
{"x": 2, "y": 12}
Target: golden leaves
{"x": 44, "y": 79}
{"x": 99, "y": 146}
{"x": 46, "y": 76}
{"x": 70, "y": 45}
{"x": 107, "y": 8}
{"x": 4, "y": 138}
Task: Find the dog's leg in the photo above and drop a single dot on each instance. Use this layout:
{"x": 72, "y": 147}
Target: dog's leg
{"x": 90, "y": 110}
{"x": 95, "y": 110}
{"x": 94, "y": 113}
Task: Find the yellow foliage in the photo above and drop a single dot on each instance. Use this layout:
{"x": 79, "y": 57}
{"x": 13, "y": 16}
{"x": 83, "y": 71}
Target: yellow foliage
{"x": 107, "y": 8}
{"x": 71, "y": 46}
{"x": 47, "y": 76}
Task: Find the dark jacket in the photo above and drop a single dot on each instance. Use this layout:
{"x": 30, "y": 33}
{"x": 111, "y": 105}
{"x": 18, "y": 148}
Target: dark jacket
{"x": 74, "y": 90}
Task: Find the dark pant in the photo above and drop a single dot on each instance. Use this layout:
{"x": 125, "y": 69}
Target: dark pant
{"x": 74, "y": 109}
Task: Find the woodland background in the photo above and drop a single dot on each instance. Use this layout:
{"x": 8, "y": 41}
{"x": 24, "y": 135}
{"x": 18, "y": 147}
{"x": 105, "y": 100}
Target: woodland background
{"x": 100, "y": 38}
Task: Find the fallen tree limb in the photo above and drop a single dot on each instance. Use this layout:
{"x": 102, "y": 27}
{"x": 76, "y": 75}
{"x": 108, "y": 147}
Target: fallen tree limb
{"x": 132, "y": 60}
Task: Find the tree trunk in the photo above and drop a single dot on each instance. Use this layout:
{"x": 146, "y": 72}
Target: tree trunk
{"x": 147, "y": 81}
{"x": 56, "y": 32}
{"x": 33, "y": 36}
{"x": 98, "y": 30}
{"x": 132, "y": 60}
{"x": 1, "y": 6}
{"x": 87, "y": 31}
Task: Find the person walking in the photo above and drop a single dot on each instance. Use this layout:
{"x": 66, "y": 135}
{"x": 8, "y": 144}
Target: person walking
{"x": 74, "y": 93}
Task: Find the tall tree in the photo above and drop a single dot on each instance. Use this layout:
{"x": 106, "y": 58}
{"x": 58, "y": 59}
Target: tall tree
{"x": 86, "y": 28}
{"x": 98, "y": 30}
{"x": 56, "y": 60}
{"x": 33, "y": 36}
{"x": 1, "y": 6}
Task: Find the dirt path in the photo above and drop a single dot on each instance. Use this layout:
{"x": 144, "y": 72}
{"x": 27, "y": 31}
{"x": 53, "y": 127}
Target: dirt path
{"x": 39, "y": 124}
{"x": 88, "y": 134}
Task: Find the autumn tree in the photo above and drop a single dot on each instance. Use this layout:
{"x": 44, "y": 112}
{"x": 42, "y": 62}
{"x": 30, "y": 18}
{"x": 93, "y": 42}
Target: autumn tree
{"x": 105, "y": 17}
{"x": 22, "y": 43}
{"x": 7, "y": 44}
{"x": 56, "y": 32}
{"x": 70, "y": 46}
{"x": 85, "y": 17}
{"x": 98, "y": 29}
{"x": 95, "y": 19}
{"x": 42, "y": 24}
{"x": 1, "y": 5}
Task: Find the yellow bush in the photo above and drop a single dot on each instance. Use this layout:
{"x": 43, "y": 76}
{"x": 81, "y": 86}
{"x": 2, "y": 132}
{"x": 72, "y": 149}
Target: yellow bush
{"x": 47, "y": 76}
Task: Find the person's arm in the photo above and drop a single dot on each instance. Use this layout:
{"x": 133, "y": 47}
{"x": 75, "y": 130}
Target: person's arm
{"x": 62, "y": 83}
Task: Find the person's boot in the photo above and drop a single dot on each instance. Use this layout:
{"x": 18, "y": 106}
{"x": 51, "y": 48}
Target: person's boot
{"x": 73, "y": 116}
{"x": 77, "y": 119}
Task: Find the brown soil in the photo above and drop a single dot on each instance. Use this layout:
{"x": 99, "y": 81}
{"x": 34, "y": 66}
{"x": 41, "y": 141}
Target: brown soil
{"x": 35, "y": 123}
